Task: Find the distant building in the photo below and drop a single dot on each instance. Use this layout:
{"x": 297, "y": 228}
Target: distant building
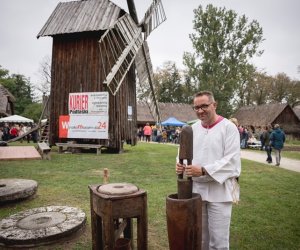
{"x": 6, "y": 102}
{"x": 262, "y": 115}
{"x": 297, "y": 110}
{"x": 181, "y": 111}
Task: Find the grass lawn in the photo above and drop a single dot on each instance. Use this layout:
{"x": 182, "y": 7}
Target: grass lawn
{"x": 267, "y": 217}
{"x": 288, "y": 154}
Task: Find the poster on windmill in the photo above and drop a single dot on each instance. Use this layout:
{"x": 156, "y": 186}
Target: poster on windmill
{"x": 88, "y": 103}
{"x": 88, "y": 116}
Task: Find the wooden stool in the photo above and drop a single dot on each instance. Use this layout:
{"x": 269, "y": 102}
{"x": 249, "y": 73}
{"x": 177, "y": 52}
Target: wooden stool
{"x": 111, "y": 202}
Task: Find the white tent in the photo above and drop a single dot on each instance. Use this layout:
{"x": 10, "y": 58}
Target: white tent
{"x": 16, "y": 119}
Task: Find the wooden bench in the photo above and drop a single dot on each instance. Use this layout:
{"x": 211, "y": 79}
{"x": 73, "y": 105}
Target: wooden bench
{"x": 74, "y": 145}
{"x": 44, "y": 150}
{"x": 254, "y": 146}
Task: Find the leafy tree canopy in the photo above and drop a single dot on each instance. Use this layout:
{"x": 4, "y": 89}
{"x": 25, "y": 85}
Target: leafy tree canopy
{"x": 21, "y": 88}
{"x": 223, "y": 44}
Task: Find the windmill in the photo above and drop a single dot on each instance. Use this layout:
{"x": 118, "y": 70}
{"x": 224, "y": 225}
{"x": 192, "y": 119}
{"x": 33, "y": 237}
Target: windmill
{"x": 127, "y": 42}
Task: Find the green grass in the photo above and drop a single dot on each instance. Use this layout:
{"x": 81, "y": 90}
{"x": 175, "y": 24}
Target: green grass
{"x": 267, "y": 216}
{"x": 291, "y": 154}
{"x": 288, "y": 154}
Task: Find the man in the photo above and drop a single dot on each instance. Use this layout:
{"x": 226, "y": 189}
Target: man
{"x": 266, "y": 136}
{"x": 215, "y": 167}
{"x": 277, "y": 139}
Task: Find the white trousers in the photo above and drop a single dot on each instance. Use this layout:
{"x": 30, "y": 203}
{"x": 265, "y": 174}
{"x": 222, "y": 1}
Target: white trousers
{"x": 216, "y": 218}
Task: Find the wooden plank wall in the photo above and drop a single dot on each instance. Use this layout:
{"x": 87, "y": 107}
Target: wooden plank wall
{"x": 76, "y": 67}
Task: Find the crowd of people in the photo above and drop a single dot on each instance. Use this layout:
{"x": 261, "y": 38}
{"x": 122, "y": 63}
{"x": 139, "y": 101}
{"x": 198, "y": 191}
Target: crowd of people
{"x": 268, "y": 138}
{"x": 10, "y": 131}
{"x": 167, "y": 134}
{"x": 260, "y": 137}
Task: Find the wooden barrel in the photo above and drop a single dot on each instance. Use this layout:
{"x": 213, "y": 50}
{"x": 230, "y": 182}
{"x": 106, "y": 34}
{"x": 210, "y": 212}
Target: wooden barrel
{"x": 184, "y": 222}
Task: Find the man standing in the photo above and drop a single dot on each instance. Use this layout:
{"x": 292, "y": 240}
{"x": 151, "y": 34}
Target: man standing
{"x": 277, "y": 139}
{"x": 266, "y": 136}
{"x": 215, "y": 167}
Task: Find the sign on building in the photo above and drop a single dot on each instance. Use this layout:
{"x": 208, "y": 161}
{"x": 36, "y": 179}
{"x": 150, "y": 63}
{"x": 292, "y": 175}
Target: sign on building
{"x": 88, "y": 116}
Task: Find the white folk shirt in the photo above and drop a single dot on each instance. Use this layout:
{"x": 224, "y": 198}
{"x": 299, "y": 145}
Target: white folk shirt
{"x": 217, "y": 149}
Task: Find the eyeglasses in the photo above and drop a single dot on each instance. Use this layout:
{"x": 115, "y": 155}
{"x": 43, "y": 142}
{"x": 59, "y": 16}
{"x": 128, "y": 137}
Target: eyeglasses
{"x": 203, "y": 107}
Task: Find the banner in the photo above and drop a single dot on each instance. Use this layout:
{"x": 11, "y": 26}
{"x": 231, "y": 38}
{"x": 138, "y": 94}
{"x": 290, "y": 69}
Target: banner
{"x": 88, "y": 103}
{"x": 88, "y": 116}
{"x": 83, "y": 126}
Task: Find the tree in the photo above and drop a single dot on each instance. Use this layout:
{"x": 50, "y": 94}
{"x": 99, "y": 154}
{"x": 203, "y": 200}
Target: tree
{"x": 280, "y": 85}
{"x": 223, "y": 44}
{"x": 168, "y": 84}
{"x": 33, "y": 111}
{"x": 293, "y": 96}
{"x": 44, "y": 73}
{"x": 261, "y": 89}
{"x": 20, "y": 87}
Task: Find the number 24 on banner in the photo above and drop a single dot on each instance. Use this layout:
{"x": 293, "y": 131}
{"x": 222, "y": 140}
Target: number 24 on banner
{"x": 102, "y": 125}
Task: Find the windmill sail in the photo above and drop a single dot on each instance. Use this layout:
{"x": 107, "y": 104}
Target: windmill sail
{"x": 123, "y": 41}
{"x": 154, "y": 16}
{"x": 145, "y": 74}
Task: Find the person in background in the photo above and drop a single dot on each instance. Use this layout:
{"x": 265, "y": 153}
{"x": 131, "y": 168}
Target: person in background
{"x": 147, "y": 132}
{"x": 5, "y": 131}
{"x": 21, "y": 132}
{"x": 277, "y": 140}
{"x": 14, "y": 131}
{"x": 266, "y": 137}
{"x": 245, "y": 138}
{"x": 154, "y": 133}
{"x": 235, "y": 122}
{"x": 159, "y": 135}
{"x": 140, "y": 133}
{"x": 215, "y": 167}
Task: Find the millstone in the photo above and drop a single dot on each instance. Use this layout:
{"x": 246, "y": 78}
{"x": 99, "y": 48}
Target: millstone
{"x": 40, "y": 226}
{"x": 118, "y": 189}
{"x": 16, "y": 189}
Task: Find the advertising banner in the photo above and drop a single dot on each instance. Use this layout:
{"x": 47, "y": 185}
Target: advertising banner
{"x": 88, "y": 116}
{"x": 88, "y": 103}
{"x": 83, "y": 126}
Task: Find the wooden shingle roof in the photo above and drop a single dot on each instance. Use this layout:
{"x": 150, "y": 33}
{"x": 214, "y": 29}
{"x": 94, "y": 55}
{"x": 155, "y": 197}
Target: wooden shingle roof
{"x": 81, "y": 16}
{"x": 182, "y": 112}
{"x": 259, "y": 115}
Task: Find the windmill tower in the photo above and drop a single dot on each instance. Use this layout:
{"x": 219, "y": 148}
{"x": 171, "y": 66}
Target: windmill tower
{"x": 98, "y": 47}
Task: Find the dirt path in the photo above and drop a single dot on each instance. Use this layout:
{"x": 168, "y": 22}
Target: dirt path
{"x": 286, "y": 163}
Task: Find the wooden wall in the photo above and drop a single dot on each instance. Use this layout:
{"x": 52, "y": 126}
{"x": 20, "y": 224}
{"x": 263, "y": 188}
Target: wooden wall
{"x": 289, "y": 122}
{"x": 76, "y": 67}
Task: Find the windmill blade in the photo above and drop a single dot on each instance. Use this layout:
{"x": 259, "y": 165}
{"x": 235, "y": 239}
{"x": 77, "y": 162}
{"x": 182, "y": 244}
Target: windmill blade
{"x": 145, "y": 74}
{"x": 154, "y": 16}
{"x": 118, "y": 48}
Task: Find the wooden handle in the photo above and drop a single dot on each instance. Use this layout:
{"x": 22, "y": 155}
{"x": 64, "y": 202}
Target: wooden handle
{"x": 180, "y": 176}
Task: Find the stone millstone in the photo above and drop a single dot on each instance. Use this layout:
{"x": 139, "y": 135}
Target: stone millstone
{"x": 16, "y": 189}
{"x": 40, "y": 226}
{"x": 118, "y": 189}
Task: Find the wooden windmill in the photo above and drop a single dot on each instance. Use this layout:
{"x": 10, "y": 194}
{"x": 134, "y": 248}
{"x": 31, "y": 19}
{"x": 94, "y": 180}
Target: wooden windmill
{"x": 98, "y": 47}
{"x": 130, "y": 37}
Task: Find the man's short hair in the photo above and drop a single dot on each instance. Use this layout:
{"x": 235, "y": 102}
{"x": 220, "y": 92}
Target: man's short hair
{"x": 207, "y": 93}
{"x": 276, "y": 126}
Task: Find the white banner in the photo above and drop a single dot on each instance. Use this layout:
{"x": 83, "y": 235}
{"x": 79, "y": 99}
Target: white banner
{"x": 88, "y": 103}
{"x": 84, "y": 126}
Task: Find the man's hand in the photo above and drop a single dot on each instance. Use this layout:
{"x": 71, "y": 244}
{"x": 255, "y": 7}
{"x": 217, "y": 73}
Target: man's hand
{"x": 179, "y": 168}
{"x": 193, "y": 171}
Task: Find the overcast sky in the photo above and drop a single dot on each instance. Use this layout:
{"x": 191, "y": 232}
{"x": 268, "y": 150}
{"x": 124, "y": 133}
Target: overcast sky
{"x": 21, "y": 20}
